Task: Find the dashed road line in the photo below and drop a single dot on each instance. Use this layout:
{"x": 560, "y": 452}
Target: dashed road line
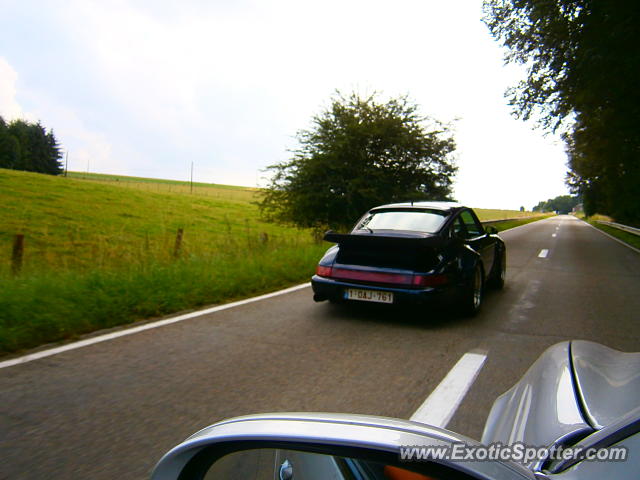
{"x": 543, "y": 253}
{"x": 441, "y": 405}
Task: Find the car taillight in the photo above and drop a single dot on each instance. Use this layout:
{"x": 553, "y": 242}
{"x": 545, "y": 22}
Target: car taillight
{"x": 323, "y": 271}
{"x": 429, "y": 280}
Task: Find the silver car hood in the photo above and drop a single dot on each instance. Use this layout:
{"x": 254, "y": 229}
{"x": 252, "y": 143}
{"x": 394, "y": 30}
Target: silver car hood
{"x": 573, "y": 389}
{"x": 542, "y": 408}
{"x": 607, "y": 382}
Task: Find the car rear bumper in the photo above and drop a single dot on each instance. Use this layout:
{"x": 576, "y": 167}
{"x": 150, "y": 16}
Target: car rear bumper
{"x": 330, "y": 289}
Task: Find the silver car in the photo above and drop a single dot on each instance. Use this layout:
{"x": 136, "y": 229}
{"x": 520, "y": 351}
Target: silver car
{"x": 574, "y": 414}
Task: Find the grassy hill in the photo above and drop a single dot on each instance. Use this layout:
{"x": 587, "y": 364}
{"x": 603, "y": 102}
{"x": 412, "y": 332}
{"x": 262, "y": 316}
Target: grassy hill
{"x": 100, "y": 251}
{"x": 75, "y": 224}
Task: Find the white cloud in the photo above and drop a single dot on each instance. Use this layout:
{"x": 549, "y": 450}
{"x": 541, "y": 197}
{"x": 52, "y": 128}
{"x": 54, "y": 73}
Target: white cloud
{"x": 89, "y": 148}
{"x": 10, "y": 109}
{"x": 227, "y": 85}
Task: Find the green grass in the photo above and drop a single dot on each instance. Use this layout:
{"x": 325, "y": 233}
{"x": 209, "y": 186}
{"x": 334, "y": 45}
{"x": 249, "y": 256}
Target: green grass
{"x": 38, "y": 309}
{"x": 626, "y": 237}
{"x": 108, "y": 178}
{"x": 71, "y": 224}
{"x": 487, "y": 215}
{"x": 99, "y": 252}
{"x": 500, "y": 226}
{"x": 227, "y": 192}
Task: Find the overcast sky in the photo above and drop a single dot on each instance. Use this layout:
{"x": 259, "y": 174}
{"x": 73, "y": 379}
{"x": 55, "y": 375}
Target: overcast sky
{"x": 146, "y": 87}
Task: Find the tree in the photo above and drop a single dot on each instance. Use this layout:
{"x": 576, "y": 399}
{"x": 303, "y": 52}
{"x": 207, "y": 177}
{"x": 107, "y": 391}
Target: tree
{"x": 560, "y": 204}
{"x": 583, "y": 62}
{"x": 28, "y": 146}
{"x": 359, "y": 153}
{"x": 9, "y": 147}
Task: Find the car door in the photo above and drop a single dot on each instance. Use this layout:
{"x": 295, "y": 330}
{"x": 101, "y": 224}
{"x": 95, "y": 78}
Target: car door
{"x": 477, "y": 239}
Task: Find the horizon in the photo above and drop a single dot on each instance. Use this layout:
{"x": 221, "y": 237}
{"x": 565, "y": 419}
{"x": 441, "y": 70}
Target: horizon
{"x": 146, "y": 88}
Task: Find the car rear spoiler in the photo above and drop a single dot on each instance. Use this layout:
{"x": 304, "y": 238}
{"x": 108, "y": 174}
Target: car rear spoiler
{"x": 406, "y": 241}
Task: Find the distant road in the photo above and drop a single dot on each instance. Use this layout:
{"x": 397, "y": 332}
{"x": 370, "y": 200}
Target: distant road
{"x": 111, "y": 410}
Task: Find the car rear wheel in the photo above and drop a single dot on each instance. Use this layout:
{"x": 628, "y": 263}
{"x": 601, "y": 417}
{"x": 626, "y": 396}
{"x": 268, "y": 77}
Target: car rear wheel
{"x": 473, "y": 293}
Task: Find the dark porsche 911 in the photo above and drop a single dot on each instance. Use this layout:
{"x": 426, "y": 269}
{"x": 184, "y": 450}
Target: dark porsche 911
{"x": 413, "y": 253}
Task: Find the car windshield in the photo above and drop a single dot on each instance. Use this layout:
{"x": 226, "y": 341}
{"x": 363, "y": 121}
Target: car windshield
{"x": 427, "y": 221}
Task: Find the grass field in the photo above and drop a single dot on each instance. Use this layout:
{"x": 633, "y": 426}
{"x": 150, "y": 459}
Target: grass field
{"x": 506, "y": 225}
{"x": 626, "y": 237}
{"x": 99, "y": 251}
{"x": 73, "y": 224}
{"x": 226, "y": 192}
{"x": 487, "y": 215}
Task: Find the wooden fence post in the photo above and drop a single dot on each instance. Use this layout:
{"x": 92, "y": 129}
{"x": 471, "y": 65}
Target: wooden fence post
{"x": 178, "y": 245}
{"x": 17, "y": 254}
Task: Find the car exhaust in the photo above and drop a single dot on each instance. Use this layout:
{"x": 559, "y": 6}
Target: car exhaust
{"x": 319, "y": 298}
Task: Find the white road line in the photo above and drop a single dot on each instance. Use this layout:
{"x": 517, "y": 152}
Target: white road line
{"x": 141, "y": 328}
{"x": 439, "y": 407}
{"x": 612, "y": 237}
{"x": 543, "y": 253}
{"x": 554, "y": 235}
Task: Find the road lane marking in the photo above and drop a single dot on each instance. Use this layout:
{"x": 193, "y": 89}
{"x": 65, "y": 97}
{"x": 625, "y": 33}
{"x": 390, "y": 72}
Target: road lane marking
{"x": 543, "y": 253}
{"x": 147, "y": 326}
{"x": 554, "y": 235}
{"x": 612, "y": 237}
{"x": 439, "y": 407}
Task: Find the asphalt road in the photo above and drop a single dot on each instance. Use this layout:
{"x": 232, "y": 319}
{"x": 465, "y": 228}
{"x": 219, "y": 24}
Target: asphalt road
{"x": 112, "y": 409}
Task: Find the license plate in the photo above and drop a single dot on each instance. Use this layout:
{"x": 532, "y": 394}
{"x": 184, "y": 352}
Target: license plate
{"x": 369, "y": 295}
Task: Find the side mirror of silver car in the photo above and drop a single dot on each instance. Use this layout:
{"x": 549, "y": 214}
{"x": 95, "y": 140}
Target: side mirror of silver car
{"x": 304, "y": 446}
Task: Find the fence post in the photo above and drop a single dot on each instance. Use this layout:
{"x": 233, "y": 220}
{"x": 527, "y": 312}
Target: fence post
{"x": 17, "y": 254}
{"x": 178, "y": 245}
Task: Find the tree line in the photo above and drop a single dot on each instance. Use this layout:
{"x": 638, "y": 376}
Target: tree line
{"x": 583, "y": 61}
{"x": 560, "y": 204}
{"x": 29, "y": 146}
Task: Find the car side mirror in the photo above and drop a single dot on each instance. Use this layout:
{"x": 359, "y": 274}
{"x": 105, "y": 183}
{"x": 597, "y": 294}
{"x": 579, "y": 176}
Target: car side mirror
{"x": 491, "y": 230}
{"x": 321, "y": 446}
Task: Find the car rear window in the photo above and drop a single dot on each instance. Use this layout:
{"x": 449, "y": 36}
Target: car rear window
{"x": 427, "y": 221}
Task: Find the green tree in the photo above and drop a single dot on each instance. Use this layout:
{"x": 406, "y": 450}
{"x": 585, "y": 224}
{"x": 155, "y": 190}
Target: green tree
{"x": 360, "y": 152}
{"x": 9, "y": 147}
{"x": 560, "y": 204}
{"x": 33, "y": 148}
{"x": 583, "y": 62}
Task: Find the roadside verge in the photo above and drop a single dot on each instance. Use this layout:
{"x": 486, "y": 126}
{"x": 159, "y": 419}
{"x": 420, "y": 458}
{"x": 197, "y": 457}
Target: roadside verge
{"x": 42, "y": 310}
{"x": 627, "y": 239}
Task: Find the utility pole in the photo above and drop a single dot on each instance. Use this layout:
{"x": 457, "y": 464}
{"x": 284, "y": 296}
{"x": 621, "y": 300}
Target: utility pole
{"x": 66, "y": 163}
{"x": 191, "y": 177}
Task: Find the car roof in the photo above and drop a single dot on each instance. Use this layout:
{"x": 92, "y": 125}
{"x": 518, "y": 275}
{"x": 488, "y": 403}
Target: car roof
{"x": 444, "y": 206}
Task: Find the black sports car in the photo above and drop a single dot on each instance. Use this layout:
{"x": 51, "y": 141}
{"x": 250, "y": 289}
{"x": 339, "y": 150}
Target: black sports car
{"x": 413, "y": 252}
